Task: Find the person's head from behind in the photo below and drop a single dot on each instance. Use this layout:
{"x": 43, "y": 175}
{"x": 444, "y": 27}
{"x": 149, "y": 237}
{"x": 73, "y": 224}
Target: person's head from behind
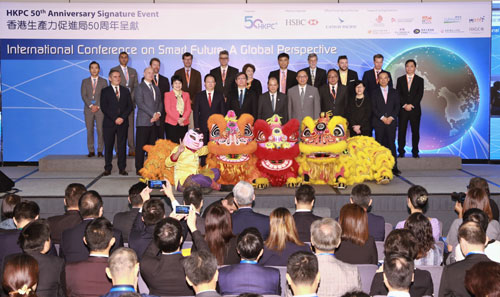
{"x": 193, "y": 195}
{"x": 35, "y": 237}
{"x": 482, "y": 279}
{"x": 477, "y": 198}
{"x": 243, "y": 194}
{"x": 201, "y": 270}
{"x": 229, "y": 203}
{"x": 421, "y": 227}
{"x": 153, "y": 211}
{"x": 398, "y": 273}
{"x": 130, "y": 294}
{"x": 360, "y": 195}
{"x": 123, "y": 267}
{"x": 134, "y": 194}
{"x": 479, "y": 182}
{"x": 281, "y": 229}
{"x": 20, "y": 276}
{"x": 90, "y": 205}
{"x": 401, "y": 242}
{"x": 168, "y": 235}
{"x": 417, "y": 198}
{"x": 72, "y": 194}
{"x": 25, "y": 212}
{"x": 9, "y": 202}
{"x": 478, "y": 216}
{"x": 99, "y": 236}
{"x": 325, "y": 235}
{"x": 218, "y": 230}
{"x": 354, "y": 223}
{"x": 302, "y": 273}
{"x": 250, "y": 244}
{"x": 304, "y": 197}
{"x": 355, "y": 294}
{"x": 471, "y": 238}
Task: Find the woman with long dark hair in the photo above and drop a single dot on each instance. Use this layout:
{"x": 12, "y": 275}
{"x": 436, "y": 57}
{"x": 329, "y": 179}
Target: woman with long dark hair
{"x": 20, "y": 276}
{"x": 427, "y": 251}
{"x": 219, "y": 235}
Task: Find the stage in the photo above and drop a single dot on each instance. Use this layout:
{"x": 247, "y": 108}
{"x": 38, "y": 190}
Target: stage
{"x": 45, "y": 184}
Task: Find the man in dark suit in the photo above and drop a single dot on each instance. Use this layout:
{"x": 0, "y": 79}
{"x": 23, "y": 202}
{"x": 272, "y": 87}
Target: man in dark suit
{"x": 303, "y": 216}
{"x": 241, "y": 99}
{"x": 371, "y": 77}
{"x": 347, "y": 77}
{"x": 398, "y": 275}
{"x": 141, "y": 234}
{"x": 286, "y": 78}
{"x": 248, "y": 276}
{"x": 191, "y": 78}
{"x": 225, "y": 75}
{"x": 472, "y": 240}
{"x": 123, "y": 220}
{"x": 116, "y": 104}
{"x": 88, "y": 277}
{"x": 71, "y": 217}
{"x": 149, "y": 110}
{"x": 411, "y": 90}
{"x": 273, "y": 102}
{"x": 163, "y": 84}
{"x": 72, "y": 248}
{"x": 316, "y": 76}
{"x": 385, "y": 110}
{"x": 333, "y": 95}
{"x": 207, "y": 103}
{"x": 35, "y": 241}
{"x": 192, "y": 195}
{"x": 245, "y": 217}
{"x": 360, "y": 195}
{"x": 201, "y": 273}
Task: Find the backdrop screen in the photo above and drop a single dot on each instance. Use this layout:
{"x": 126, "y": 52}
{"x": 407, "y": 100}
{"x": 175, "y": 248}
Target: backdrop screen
{"x": 495, "y": 82}
{"x": 46, "y": 49}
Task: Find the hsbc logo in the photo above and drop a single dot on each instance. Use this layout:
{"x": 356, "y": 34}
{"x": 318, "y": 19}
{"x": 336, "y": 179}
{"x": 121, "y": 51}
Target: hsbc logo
{"x": 313, "y": 22}
{"x": 301, "y": 22}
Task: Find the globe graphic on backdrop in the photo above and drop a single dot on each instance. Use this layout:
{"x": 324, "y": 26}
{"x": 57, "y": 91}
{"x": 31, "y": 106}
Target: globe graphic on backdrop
{"x": 451, "y": 95}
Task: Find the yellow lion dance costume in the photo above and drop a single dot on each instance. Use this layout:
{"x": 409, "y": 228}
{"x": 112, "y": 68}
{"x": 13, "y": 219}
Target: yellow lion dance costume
{"x": 328, "y": 156}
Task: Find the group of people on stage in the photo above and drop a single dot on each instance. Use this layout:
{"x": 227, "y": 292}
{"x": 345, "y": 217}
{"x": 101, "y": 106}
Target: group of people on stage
{"x": 368, "y": 104}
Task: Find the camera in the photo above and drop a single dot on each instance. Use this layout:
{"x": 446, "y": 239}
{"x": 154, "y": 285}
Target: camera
{"x": 458, "y": 197}
{"x": 156, "y": 184}
{"x": 182, "y": 209}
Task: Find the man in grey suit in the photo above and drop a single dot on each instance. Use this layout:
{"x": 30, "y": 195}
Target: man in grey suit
{"x": 337, "y": 277}
{"x": 130, "y": 80}
{"x": 201, "y": 273}
{"x": 273, "y": 102}
{"x": 91, "y": 96}
{"x": 303, "y": 99}
{"x": 148, "y": 100}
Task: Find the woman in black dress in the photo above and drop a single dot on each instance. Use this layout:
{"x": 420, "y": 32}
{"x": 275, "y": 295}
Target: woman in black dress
{"x": 359, "y": 111}
{"x": 252, "y": 83}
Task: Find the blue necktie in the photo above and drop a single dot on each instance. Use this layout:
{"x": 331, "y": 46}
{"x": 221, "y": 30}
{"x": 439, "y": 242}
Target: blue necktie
{"x": 241, "y": 98}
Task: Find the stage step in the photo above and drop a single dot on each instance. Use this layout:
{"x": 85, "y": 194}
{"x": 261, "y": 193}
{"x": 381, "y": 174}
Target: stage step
{"x": 430, "y": 162}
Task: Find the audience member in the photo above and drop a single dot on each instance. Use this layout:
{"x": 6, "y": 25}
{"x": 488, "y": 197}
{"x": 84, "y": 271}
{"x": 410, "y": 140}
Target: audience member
{"x": 303, "y": 99}
{"x": 428, "y": 253}
{"x": 225, "y": 75}
{"x": 35, "y": 241}
{"x": 398, "y": 275}
{"x": 191, "y": 78}
{"x": 417, "y": 202}
{"x": 303, "y": 216}
{"x": 201, "y": 273}
{"x": 283, "y": 239}
{"x": 355, "y": 294}
{"x": 337, "y": 277}
{"x": 227, "y": 202}
{"x": 244, "y": 216}
{"x": 71, "y": 217}
{"x": 192, "y": 195}
{"x": 123, "y": 220}
{"x": 242, "y": 100}
{"x": 177, "y": 105}
{"x": 252, "y": 83}
{"x": 479, "y": 182}
{"x": 142, "y": 231}
{"x": 20, "y": 277}
{"x": 249, "y": 295}
{"x": 357, "y": 246}
{"x": 9, "y": 201}
{"x": 359, "y": 110}
{"x": 273, "y": 102}
{"x": 302, "y": 273}
{"x": 334, "y": 95}
{"x": 286, "y": 78}
{"x": 347, "y": 76}
{"x": 317, "y": 76}
{"x": 164, "y": 85}
{"x": 401, "y": 242}
{"x": 247, "y": 276}
{"x": 482, "y": 279}
{"x": 72, "y": 248}
{"x": 360, "y": 195}
{"x": 88, "y": 277}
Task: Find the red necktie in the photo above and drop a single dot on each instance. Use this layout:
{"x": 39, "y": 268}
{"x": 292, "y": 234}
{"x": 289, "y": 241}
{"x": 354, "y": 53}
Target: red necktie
{"x": 210, "y": 99}
{"x": 117, "y": 92}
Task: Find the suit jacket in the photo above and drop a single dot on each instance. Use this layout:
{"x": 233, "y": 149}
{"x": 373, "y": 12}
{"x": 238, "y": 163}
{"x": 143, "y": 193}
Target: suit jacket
{"x": 51, "y": 276}
{"x": 380, "y": 108}
{"x": 303, "y": 221}
{"x": 352, "y": 76}
{"x": 114, "y": 108}
{"x": 376, "y": 226}
{"x": 370, "y": 81}
{"x": 87, "y": 278}
{"x": 170, "y": 103}
{"x": 250, "y": 102}
{"x": 265, "y": 107}
{"x": 291, "y": 78}
{"x": 245, "y": 217}
{"x": 200, "y": 225}
{"x": 202, "y": 111}
{"x": 337, "y": 277}
{"x": 194, "y": 82}
{"x": 310, "y": 107}
{"x": 453, "y": 277}
{"x": 249, "y": 278}
{"x": 320, "y": 78}
{"x": 123, "y": 221}
{"x": 133, "y": 80}
{"x": 119, "y": 293}
{"x": 274, "y": 258}
{"x": 62, "y": 222}
{"x": 414, "y": 95}
{"x": 163, "y": 85}
{"x": 352, "y": 253}
{"x": 8, "y": 246}
{"x": 147, "y": 105}
{"x": 422, "y": 284}
{"x": 72, "y": 247}
{"x": 229, "y": 83}
{"x": 337, "y": 105}
{"x": 86, "y": 91}
{"x": 208, "y": 294}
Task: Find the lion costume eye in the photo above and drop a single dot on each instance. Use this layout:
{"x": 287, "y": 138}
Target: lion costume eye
{"x": 248, "y": 130}
{"x": 215, "y": 132}
{"x": 261, "y": 136}
{"x": 338, "y": 131}
{"x": 306, "y": 133}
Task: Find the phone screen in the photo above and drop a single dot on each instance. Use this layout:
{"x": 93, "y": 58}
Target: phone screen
{"x": 182, "y": 209}
{"x": 156, "y": 184}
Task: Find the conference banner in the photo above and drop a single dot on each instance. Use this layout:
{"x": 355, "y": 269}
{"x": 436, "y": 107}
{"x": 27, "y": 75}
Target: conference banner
{"x": 46, "y": 49}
